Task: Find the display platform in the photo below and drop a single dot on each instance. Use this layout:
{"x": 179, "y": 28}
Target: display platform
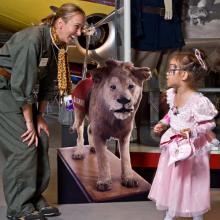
{"x": 77, "y": 180}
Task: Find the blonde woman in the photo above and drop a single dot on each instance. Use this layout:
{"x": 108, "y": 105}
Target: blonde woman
{"x": 36, "y": 55}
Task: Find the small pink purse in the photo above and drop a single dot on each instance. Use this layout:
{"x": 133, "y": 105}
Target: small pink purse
{"x": 180, "y": 150}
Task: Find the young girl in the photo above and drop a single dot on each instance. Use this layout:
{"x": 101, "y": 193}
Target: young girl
{"x": 183, "y": 188}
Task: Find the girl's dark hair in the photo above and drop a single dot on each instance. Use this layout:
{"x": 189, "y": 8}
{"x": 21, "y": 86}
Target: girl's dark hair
{"x": 194, "y": 63}
{"x": 64, "y": 11}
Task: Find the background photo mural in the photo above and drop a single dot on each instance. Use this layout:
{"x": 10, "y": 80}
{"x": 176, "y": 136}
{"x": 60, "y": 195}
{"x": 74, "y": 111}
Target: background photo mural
{"x": 201, "y": 18}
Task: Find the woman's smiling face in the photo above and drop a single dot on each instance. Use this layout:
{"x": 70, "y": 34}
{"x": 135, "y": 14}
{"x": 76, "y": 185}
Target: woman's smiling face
{"x": 70, "y": 29}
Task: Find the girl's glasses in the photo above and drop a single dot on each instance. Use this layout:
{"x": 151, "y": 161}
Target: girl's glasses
{"x": 173, "y": 71}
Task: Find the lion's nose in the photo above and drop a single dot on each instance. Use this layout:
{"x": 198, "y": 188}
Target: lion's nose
{"x": 123, "y": 100}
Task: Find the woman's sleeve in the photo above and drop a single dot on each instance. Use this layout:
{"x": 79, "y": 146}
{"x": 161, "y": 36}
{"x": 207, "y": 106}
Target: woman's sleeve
{"x": 25, "y": 53}
{"x": 204, "y": 113}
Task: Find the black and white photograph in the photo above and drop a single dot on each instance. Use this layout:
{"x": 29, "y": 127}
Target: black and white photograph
{"x": 202, "y": 19}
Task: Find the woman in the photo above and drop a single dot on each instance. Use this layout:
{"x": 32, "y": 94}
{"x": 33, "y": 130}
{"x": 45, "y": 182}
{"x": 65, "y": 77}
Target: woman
{"x": 31, "y": 58}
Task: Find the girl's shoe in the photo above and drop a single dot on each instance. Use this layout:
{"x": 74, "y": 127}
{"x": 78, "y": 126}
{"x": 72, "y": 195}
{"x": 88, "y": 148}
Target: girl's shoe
{"x": 168, "y": 217}
{"x": 199, "y": 217}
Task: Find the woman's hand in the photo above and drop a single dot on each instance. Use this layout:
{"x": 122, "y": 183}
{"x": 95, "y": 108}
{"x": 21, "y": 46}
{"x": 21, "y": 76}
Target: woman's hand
{"x": 158, "y": 128}
{"x": 30, "y": 135}
{"x": 185, "y": 132}
{"x": 41, "y": 124}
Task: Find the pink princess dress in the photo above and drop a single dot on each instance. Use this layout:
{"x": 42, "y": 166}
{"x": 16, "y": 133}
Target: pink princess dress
{"x": 183, "y": 189}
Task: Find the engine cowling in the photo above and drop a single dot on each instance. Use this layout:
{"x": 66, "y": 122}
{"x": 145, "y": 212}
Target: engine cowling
{"x": 102, "y": 43}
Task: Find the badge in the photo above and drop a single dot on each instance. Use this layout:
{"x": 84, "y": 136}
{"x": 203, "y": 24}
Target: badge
{"x": 68, "y": 101}
{"x": 43, "y": 62}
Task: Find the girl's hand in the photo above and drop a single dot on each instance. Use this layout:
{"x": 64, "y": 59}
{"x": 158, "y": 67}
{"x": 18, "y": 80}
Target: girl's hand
{"x": 184, "y": 132}
{"x": 30, "y": 135}
{"x": 41, "y": 124}
{"x": 158, "y": 128}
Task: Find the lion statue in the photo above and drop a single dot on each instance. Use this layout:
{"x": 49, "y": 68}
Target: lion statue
{"x": 115, "y": 92}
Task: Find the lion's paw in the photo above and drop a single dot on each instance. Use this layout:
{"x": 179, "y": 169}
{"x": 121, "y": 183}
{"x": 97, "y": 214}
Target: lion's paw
{"x": 104, "y": 185}
{"x": 78, "y": 155}
{"x": 129, "y": 182}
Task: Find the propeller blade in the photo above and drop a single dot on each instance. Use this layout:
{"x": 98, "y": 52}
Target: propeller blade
{"x": 89, "y": 31}
{"x": 54, "y": 8}
{"x": 88, "y": 37}
{"x": 109, "y": 17}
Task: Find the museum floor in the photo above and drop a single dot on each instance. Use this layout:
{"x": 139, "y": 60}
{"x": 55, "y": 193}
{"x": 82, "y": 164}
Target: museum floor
{"x": 144, "y": 210}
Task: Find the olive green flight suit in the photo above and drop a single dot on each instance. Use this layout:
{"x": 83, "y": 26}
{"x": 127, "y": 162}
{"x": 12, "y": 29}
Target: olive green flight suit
{"x": 26, "y": 173}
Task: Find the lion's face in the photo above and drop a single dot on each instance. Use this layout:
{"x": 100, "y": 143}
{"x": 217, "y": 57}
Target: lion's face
{"x": 120, "y": 86}
{"x": 121, "y": 95}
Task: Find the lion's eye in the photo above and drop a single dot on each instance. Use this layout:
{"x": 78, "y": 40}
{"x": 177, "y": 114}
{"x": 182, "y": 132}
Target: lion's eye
{"x": 113, "y": 87}
{"x": 130, "y": 86}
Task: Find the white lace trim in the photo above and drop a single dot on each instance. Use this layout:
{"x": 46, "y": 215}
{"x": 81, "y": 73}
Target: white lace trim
{"x": 170, "y": 97}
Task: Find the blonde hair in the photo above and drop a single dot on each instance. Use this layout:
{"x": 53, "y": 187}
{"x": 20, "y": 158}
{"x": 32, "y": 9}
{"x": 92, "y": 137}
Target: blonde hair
{"x": 65, "y": 12}
{"x": 196, "y": 67}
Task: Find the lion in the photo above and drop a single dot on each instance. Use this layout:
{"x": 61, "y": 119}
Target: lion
{"x": 116, "y": 91}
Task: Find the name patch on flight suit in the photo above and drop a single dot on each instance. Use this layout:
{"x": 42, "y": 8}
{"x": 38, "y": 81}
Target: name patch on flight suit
{"x": 43, "y": 62}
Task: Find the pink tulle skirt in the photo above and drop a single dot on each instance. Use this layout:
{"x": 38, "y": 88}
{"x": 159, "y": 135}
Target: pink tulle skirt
{"x": 182, "y": 189}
